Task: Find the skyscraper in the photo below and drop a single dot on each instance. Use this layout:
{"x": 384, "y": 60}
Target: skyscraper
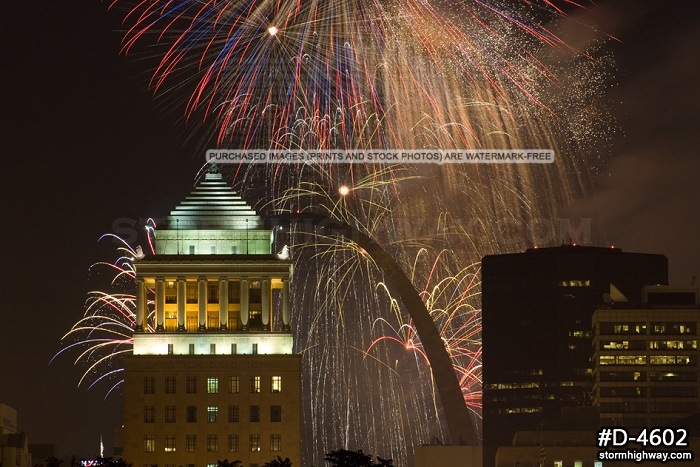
{"x": 536, "y": 329}
{"x": 646, "y": 359}
{"x": 212, "y": 375}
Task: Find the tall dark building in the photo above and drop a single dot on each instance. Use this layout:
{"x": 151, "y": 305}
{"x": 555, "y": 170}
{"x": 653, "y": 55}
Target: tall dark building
{"x": 536, "y": 329}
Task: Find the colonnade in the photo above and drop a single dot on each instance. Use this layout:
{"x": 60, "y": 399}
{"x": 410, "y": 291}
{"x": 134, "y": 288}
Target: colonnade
{"x": 202, "y": 283}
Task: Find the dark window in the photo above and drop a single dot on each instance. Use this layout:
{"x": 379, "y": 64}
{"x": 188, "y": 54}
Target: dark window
{"x": 213, "y": 296}
{"x": 169, "y": 414}
{"x": 170, "y": 385}
{"x": 233, "y": 413}
{"x": 191, "y": 385}
{"x": 254, "y": 413}
{"x": 191, "y": 414}
{"x": 149, "y": 385}
{"x": 275, "y": 413}
{"x": 149, "y": 414}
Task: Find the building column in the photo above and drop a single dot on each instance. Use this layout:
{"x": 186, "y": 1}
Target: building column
{"x": 223, "y": 303}
{"x": 140, "y": 304}
{"x": 160, "y": 304}
{"x": 202, "y": 303}
{"x": 180, "y": 303}
{"x": 265, "y": 302}
{"x": 244, "y": 304}
{"x": 285, "y": 304}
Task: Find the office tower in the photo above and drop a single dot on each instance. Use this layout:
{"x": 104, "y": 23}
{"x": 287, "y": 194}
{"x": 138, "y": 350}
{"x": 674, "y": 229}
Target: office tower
{"x": 536, "y": 329}
{"x": 645, "y": 359}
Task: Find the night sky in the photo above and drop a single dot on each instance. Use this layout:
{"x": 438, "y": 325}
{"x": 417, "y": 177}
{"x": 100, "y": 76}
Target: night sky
{"x": 85, "y": 144}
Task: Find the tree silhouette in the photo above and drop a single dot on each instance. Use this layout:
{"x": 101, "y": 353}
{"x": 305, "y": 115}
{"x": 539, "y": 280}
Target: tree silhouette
{"x": 226, "y": 463}
{"x": 278, "y": 462}
{"x": 346, "y": 458}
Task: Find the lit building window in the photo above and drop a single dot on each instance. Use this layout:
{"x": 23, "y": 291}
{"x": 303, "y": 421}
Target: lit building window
{"x": 191, "y": 443}
{"x": 254, "y": 442}
{"x": 575, "y": 283}
{"x": 276, "y": 384}
{"x": 584, "y": 334}
{"x": 169, "y": 443}
{"x": 212, "y": 443}
{"x": 558, "y": 463}
{"x": 191, "y": 292}
{"x": 255, "y": 384}
{"x": 170, "y": 292}
{"x": 623, "y": 360}
{"x": 233, "y": 413}
{"x": 212, "y": 414}
{"x": 672, "y": 345}
{"x": 672, "y": 328}
{"x": 631, "y": 360}
{"x": 233, "y": 443}
{"x": 212, "y": 385}
{"x": 234, "y": 384}
{"x": 212, "y": 320}
{"x": 149, "y": 443}
{"x": 275, "y": 443}
{"x": 673, "y": 360}
{"x": 623, "y": 328}
{"x": 578, "y": 463}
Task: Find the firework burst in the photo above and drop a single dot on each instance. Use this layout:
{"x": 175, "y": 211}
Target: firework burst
{"x": 389, "y": 74}
{"x": 453, "y": 304}
{"x": 354, "y": 73}
{"x": 105, "y": 332}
